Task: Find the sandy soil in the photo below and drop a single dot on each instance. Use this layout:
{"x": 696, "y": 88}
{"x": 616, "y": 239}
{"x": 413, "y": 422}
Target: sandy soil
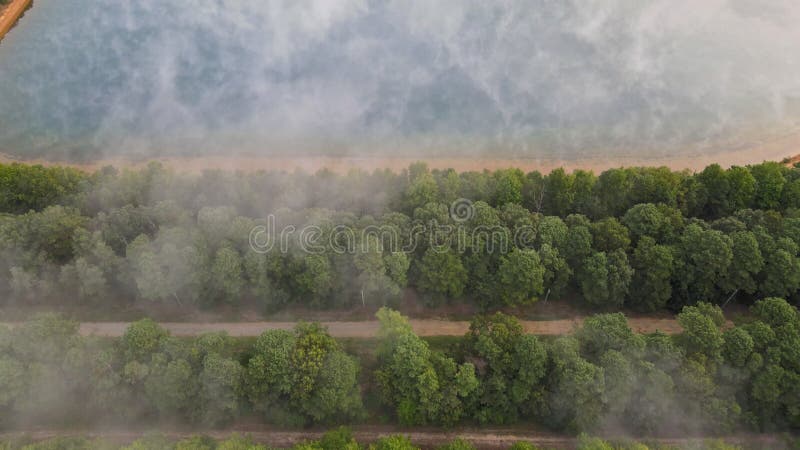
{"x": 482, "y": 438}
{"x": 10, "y": 14}
{"x": 774, "y": 148}
{"x": 368, "y": 329}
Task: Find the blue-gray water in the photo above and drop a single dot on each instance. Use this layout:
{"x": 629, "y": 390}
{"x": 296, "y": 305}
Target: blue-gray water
{"x": 521, "y": 78}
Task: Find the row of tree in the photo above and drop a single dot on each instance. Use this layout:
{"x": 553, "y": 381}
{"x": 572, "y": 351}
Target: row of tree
{"x": 108, "y": 238}
{"x": 709, "y": 194}
{"x": 710, "y": 378}
{"x": 649, "y": 259}
{"x": 338, "y": 439}
{"x": 48, "y": 373}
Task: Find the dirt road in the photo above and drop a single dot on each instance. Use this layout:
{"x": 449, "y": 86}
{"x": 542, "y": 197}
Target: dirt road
{"x": 481, "y": 438}
{"x": 368, "y": 329}
{"x": 10, "y": 15}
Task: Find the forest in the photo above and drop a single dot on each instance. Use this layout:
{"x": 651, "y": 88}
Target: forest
{"x": 710, "y": 379}
{"x": 642, "y": 239}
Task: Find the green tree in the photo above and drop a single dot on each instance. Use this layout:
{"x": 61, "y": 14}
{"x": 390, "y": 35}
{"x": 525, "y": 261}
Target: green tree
{"x": 781, "y": 273}
{"x": 442, "y": 274}
{"x": 34, "y": 187}
{"x": 610, "y": 234}
{"x": 613, "y": 190}
{"x": 339, "y": 438}
{"x": 373, "y": 276}
{"x": 652, "y": 264}
{"x": 557, "y": 272}
{"x": 226, "y": 275}
{"x": 552, "y": 231}
{"x": 315, "y": 280}
{"x": 742, "y": 188}
{"x": 604, "y": 278}
{"x": 421, "y": 191}
{"x": 170, "y": 386}
{"x": 603, "y": 332}
{"x": 523, "y": 446}
{"x": 508, "y": 186}
{"x": 746, "y": 264}
{"x": 220, "y": 388}
{"x": 141, "y": 339}
{"x": 559, "y": 193}
{"x": 458, "y": 444}
{"x": 648, "y": 219}
{"x": 705, "y": 256}
{"x": 701, "y": 333}
{"x": 394, "y": 442}
{"x": 769, "y": 184}
{"x": 775, "y": 312}
{"x": 521, "y": 277}
{"x": 716, "y": 189}
{"x": 575, "y": 397}
{"x": 268, "y": 373}
{"x": 422, "y": 387}
{"x": 336, "y": 396}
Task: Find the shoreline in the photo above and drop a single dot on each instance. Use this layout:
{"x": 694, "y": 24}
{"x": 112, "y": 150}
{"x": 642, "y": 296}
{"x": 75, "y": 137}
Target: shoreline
{"x": 342, "y": 165}
{"x": 11, "y": 14}
{"x": 777, "y": 148}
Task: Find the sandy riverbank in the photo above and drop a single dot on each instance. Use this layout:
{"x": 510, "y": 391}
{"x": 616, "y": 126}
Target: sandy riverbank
{"x": 775, "y": 148}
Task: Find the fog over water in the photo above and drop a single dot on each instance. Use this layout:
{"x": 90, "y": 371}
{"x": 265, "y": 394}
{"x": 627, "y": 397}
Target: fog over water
{"x": 532, "y": 78}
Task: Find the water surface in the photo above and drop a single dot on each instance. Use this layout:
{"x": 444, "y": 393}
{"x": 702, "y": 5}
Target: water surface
{"x": 527, "y": 78}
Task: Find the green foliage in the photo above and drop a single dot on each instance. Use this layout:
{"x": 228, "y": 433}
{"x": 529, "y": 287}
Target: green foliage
{"x": 701, "y": 333}
{"x": 458, "y": 444}
{"x": 422, "y": 386}
{"x": 522, "y": 446}
{"x": 141, "y": 339}
{"x": 339, "y": 439}
{"x": 652, "y": 266}
{"x": 520, "y": 277}
{"x": 395, "y": 442}
{"x": 442, "y": 274}
{"x": 635, "y": 235}
{"x": 604, "y": 279}
{"x": 25, "y": 187}
{"x": 302, "y": 377}
{"x": 220, "y": 388}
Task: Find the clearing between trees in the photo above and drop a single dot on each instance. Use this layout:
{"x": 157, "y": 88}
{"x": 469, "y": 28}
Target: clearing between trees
{"x": 369, "y": 329}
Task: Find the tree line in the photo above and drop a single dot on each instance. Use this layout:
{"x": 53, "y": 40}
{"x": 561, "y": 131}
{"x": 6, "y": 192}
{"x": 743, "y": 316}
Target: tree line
{"x": 641, "y": 238}
{"x": 711, "y": 378}
{"x": 708, "y": 378}
{"x": 48, "y": 373}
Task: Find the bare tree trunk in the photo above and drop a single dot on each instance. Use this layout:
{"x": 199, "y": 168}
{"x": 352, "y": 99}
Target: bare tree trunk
{"x": 729, "y": 298}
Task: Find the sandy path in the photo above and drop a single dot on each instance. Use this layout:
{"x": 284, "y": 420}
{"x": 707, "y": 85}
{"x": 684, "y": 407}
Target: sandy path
{"x": 9, "y": 15}
{"x": 482, "y": 438}
{"x": 369, "y": 329}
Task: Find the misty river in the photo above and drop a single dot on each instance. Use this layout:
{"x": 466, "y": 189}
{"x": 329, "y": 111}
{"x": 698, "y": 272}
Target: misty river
{"x": 362, "y": 77}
